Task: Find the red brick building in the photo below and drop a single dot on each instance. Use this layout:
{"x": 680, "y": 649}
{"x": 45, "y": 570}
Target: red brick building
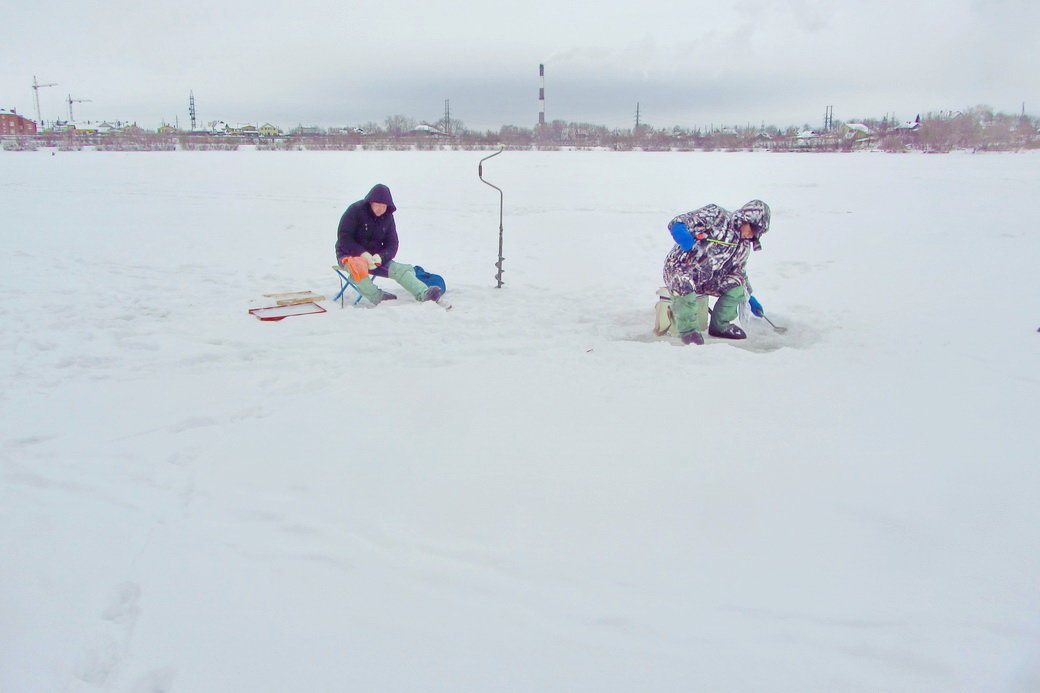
{"x": 13, "y": 124}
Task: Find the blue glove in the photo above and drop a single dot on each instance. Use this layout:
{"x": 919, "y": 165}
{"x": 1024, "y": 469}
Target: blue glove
{"x": 756, "y": 307}
{"x": 682, "y": 235}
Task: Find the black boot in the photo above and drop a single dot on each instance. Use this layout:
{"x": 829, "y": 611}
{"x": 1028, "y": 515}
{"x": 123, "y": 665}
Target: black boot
{"x": 384, "y": 296}
{"x": 692, "y": 337}
{"x": 730, "y": 331}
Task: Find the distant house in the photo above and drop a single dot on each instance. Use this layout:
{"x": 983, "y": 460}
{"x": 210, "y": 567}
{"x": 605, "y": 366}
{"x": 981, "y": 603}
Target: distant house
{"x": 107, "y": 129}
{"x": 910, "y": 125}
{"x": 268, "y": 130}
{"x": 13, "y": 124}
{"x": 858, "y": 133}
{"x": 809, "y": 140}
{"x": 167, "y": 129}
{"x": 425, "y": 129}
{"x": 244, "y": 130}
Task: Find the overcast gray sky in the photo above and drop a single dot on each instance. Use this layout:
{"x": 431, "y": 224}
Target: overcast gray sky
{"x": 687, "y": 62}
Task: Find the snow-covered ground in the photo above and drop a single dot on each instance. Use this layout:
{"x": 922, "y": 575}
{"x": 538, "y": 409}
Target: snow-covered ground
{"x": 528, "y": 492}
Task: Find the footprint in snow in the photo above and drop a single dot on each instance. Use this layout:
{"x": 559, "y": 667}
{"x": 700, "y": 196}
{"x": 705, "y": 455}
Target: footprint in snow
{"x": 158, "y": 681}
{"x": 123, "y": 609}
{"x": 97, "y": 662}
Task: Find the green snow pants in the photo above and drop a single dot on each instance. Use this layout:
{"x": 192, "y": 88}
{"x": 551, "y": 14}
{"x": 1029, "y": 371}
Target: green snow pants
{"x": 691, "y": 310}
{"x": 402, "y": 274}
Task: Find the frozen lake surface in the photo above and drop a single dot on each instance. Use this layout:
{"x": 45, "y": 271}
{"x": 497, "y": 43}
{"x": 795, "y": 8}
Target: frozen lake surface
{"x": 529, "y": 492}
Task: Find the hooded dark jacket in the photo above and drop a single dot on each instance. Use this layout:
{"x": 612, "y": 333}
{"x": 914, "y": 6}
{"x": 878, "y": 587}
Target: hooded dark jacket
{"x": 718, "y": 262}
{"x": 360, "y": 230}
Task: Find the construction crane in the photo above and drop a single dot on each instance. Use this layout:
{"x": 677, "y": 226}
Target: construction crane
{"x": 72, "y": 101}
{"x": 36, "y": 97}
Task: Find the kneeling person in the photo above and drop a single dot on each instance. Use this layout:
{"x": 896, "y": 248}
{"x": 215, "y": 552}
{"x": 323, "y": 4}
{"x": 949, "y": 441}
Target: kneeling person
{"x": 712, "y": 246}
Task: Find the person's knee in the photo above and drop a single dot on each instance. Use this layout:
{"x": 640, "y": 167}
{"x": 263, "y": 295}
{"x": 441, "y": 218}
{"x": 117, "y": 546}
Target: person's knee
{"x": 727, "y": 307}
{"x": 735, "y": 295}
{"x": 397, "y": 270}
{"x": 690, "y": 311}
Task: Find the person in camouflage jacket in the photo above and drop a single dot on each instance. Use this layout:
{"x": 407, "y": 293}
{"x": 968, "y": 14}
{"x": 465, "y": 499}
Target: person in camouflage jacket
{"x": 712, "y": 246}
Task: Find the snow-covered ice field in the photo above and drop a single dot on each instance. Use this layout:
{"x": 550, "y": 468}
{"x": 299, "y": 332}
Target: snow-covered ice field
{"x": 528, "y": 492}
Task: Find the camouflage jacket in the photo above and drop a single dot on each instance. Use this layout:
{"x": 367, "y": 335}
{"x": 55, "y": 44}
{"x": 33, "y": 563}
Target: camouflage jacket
{"x": 716, "y": 263}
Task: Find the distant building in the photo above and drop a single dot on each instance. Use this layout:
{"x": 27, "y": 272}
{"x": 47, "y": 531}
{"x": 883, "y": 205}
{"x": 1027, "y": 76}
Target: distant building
{"x": 858, "y": 133}
{"x": 426, "y": 129}
{"x": 910, "y": 125}
{"x": 13, "y": 124}
{"x": 245, "y": 130}
{"x": 268, "y": 130}
{"x": 106, "y": 128}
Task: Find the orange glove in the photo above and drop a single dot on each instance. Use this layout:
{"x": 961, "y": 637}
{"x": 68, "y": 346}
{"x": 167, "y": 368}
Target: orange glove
{"x": 358, "y": 267}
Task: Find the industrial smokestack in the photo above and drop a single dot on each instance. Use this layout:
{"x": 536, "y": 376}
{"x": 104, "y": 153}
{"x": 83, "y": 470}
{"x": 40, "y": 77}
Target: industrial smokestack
{"x": 541, "y": 94}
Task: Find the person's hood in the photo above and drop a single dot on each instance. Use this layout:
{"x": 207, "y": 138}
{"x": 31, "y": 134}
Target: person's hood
{"x": 380, "y": 193}
{"x": 757, "y": 214}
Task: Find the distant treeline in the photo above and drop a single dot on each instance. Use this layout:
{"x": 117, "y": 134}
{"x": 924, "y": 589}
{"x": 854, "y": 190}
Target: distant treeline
{"x": 978, "y": 128}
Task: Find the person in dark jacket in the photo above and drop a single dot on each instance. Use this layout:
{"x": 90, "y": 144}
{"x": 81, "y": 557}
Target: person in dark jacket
{"x": 712, "y": 246}
{"x": 367, "y": 245}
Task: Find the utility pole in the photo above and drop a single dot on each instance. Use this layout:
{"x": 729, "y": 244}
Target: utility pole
{"x": 72, "y": 101}
{"x": 636, "y": 132}
{"x": 191, "y": 109}
{"x": 447, "y": 116}
{"x": 36, "y": 97}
